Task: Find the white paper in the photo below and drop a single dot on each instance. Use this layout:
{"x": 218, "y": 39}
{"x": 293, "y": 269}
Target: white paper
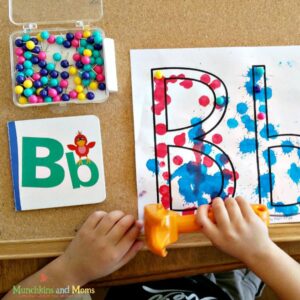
{"x": 234, "y": 146}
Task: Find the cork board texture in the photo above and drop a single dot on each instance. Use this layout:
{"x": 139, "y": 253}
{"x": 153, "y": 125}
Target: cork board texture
{"x": 132, "y": 24}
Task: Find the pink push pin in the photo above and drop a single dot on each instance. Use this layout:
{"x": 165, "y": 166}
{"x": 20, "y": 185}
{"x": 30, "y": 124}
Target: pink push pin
{"x": 64, "y": 84}
{"x": 33, "y": 99}
{"x": 51, "y": 39}
{"x": 40, "y": 99}
{"x": 100, "y": 77}
{"x": 21, "y": 59}
{"x": 19, "y": 51}
{"x": 36, "y": 76}
{"x": 98, "y": 69}
{"x": 56, "y": 98}
{"x": 73, "y": 94}
{"x": 261, "y": 116}
{"x": 85, "y": 60}
{"x": 42, "y": 55}
{"x": 78, "y": 35}
{"x": 52, "y": 93}
{"x": 76, "y": 57}
{"x": 75, "y": 43}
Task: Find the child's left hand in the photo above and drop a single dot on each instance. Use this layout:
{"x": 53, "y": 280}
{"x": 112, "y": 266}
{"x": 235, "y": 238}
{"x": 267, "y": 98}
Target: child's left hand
{"x": 104, "y": 243}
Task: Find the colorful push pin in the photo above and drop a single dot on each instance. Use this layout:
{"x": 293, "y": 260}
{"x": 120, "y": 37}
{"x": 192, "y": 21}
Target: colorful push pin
{"x": 19, "y": 43}
{"x": 257, "y": 88}
{"x": 67, "y": 44}
{"x": 93, "y": 85}
{"x": 59, "y": 40}
{"x": 64, "y": 64}
{"x": 22, "y": 100}
{"x": 73, "y": 94}
{"x": 45, "y": 35}
{"x": 19, "y": 89}
{"x": 76, "y": 57}
{"x": 26, "y": 37}
{"x": 78, "y": 35}
{"x": 64, "y": 75}
{"x": 220, "y": 101}
{"x": 102, "y": 86}
{"x": 30, "y": 45}
{"x": 70, "y": 36}
{"x": 158, "y": 74}
{"x": 65, "y": 97}
{"x": 27, "y": 84}
{"x": 86, "y": 33}
{"x": 51, "y": 39}
{"x": 57, "y": 56}
{"x": 73, "y": 70}
{"x": 81, "y": 96}
{"x": 261, "y": 116}
{"x": 259, "y": 71}
{"x": 87, "y": 52}
{"x": 90, "y": 95}
{"x": 33, "y": 99}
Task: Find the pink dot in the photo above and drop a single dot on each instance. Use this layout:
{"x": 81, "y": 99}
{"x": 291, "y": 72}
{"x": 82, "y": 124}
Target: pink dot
{"x": 187, "y": 84}
{"x": 85, "y": 60}
{"x": 76, "y": 57}
{"x": 164, "y": 190}
{"x": 165, "y": 201}
{"x": 19, "y": 51}
{"x": 161, "y": 150}
{"x": 78, "y": 35}
{"x": 98, "y": 69}
{"x": 179, "y": 140}
{"x": 51, "y": 39}
{"x": 42, "y": 55}
{"x": 161, "y": 129}
{"x": 215, "y": 84}
{"x": 73, "y": 94}
{"x": 177, "y": 160}
{"x": 165, "y": 175}
{"x": 237, "y": 175}
{"x": 75, "y": 43}
{"x": 205, "y": 78}
{"x": 217, "y": 138}
{"x": 261, "y": 116}
{"x": 230, "y": 190}
{"x": 40, "y": 99}
{"x": 208, "y": 162}
{"x": 162, "y": 164}
{"x": 203, "y": 100}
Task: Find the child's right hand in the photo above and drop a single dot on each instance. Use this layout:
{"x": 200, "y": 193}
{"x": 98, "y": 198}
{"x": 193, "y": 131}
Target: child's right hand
{"x": 238, "y": 231}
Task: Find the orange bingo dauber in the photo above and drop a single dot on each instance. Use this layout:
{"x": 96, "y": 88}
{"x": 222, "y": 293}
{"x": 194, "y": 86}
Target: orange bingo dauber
{"x": 162, "y": 226}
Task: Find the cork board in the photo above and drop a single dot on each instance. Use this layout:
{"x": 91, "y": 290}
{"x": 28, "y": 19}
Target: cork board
{"x": 133, "y": 24}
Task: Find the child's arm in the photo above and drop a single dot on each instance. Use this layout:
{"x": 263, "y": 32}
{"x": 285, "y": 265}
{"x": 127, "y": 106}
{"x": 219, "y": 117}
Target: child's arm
{"x": 241, "y": 234}
{"x": 104, "y": 243}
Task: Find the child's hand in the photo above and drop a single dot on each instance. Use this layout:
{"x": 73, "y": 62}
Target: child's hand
{"x": 104, "y": 243}
{"x": 238, "y": 231}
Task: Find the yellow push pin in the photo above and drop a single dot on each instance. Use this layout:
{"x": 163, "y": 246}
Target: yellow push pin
{"x": 158, "y": 74}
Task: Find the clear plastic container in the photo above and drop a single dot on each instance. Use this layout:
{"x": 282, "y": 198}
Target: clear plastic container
{"x": 34, "y": 16}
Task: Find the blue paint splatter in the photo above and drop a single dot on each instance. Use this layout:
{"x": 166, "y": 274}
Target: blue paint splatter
{"x": 286, "y": 210}
{"x": 264, "y": 181}
{"x": 294, "y": 173}
{"x": 262, "y": 109}
{"x": 272, "y": 157}
{"x": 194, "y": 182}
{"x": 152, "y": 165}
{"x": 247, "y": 145}
{"x": 207, "y": 148}
{"x": 249, "y": 124}
{"x": 242, "y": 108}
{"x": 272, "y": 131}
{"x": 232, "y": 123}
{"x": 195, "y": 131}
{"x": 289, "y": 148}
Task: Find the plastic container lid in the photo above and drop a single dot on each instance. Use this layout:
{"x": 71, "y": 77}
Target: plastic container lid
{"x": 22, "y": 12}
